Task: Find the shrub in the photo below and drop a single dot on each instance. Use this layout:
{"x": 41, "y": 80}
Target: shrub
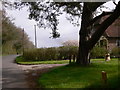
{"x": 63, "y": 53}
{"x": 115, "y": 52}
{"x": 66, "y": 51}
{"x": 98, "y": 52}
{"x": 30, "y": 55}
{"x": 42, "y": 54}
{"x": 50, "y": 53}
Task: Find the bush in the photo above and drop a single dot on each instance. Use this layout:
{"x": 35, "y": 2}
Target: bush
{"x": 98, "y": 52}
{"x": 66, "y": 51}
{"x": 63, "y": 53}
{"x": 43, "y": 54}
{"x": 115, "y": 52}
{"x": 50, "y": 53}
{"x": 30, "y": 55}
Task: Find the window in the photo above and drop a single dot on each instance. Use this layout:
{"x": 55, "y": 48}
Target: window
{"x": 118, "y": 43}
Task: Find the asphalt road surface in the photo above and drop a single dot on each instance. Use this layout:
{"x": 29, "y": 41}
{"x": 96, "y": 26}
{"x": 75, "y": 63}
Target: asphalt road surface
{"x": 12, "y": 75}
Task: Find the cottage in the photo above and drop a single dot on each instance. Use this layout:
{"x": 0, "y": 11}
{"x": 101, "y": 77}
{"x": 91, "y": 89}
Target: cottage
{"x": 112, "y": 34}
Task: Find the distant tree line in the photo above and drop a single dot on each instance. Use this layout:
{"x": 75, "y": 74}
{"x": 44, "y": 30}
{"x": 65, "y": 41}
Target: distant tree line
{"x": 13, "y": 37}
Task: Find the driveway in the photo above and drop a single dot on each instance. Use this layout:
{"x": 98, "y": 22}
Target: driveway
{"x": 17, "y": 76}
{"x": 12, "y": 75}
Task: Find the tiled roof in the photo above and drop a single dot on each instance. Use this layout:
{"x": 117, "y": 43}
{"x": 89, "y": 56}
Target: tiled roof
{"x": 114, "y": 29}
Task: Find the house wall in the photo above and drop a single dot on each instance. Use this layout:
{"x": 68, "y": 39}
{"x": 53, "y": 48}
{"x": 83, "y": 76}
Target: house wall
{"x": 112, "y": 43}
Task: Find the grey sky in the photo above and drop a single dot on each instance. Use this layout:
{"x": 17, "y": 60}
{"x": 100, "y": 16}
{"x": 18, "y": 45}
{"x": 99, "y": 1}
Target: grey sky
{"x": 66, "y": 29}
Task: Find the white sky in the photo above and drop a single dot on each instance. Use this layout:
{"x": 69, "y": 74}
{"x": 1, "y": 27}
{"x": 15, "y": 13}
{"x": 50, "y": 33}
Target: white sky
{"x": 66, "y": 29}
{"x": 0, "y": 5}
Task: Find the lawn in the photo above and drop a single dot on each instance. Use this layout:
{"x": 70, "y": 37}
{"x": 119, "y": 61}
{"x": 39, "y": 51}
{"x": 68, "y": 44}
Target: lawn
{"x": 20, "y": 60}
{"x": 73, "y": 76}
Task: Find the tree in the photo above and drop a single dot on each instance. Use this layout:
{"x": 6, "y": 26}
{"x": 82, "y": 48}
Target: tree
{"x": 87, "y": 42}
{"x": 46, "y": 14}
{"x": 72, "y": 46}
{"x": 98, "y": 52}
{"x": 12, "y": 37}
{"x": 70, "y": 43}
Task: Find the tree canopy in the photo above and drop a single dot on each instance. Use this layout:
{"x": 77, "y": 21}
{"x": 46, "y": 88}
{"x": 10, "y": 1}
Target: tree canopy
{"x": 12, "y": 37}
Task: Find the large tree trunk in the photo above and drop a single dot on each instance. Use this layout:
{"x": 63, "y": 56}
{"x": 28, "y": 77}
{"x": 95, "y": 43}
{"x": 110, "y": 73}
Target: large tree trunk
{"x": 83, "y": 57}
{"x": 86, "y": 43}
{"x": 83, "y": 53}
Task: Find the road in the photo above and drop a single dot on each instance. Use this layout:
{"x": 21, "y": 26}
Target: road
{"x": 17, "y": 76}
{"x": 12, "y": 75}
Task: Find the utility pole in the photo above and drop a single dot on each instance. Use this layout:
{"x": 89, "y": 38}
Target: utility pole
{"x": 35, "y": 37}
{"x": 23, "y": 41}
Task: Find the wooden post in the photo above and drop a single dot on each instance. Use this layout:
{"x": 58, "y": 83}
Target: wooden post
{"x": 104, "y": 77}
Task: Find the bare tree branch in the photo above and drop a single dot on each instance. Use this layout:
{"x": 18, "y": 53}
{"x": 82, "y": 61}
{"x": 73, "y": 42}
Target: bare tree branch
{"x": 100, "y": 16}
{"x": 114, "y": 3}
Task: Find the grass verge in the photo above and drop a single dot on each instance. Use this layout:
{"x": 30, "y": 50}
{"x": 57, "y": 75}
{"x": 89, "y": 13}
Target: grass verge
{"x": 21, "y": 60}
{"x": 72, "y": 76}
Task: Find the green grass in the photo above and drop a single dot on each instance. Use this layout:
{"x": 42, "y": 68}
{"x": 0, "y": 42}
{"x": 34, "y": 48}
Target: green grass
{"x": 72, "y": 76}
{"x": 21, "y": 60}
{"x": 3, "y": 54}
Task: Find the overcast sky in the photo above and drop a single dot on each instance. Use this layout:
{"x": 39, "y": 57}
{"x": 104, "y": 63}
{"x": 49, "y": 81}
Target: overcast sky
{"x": 66, "y": 29}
